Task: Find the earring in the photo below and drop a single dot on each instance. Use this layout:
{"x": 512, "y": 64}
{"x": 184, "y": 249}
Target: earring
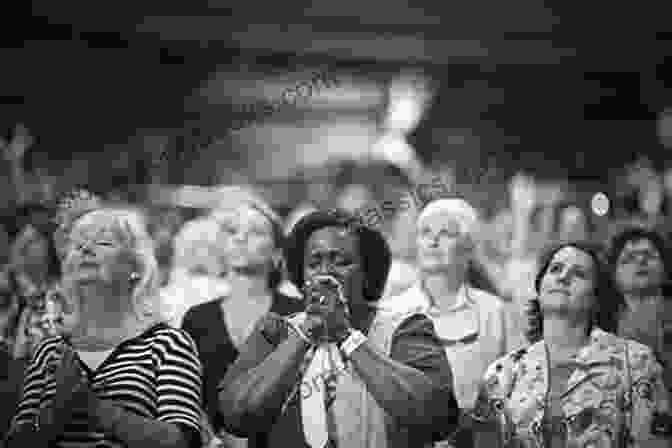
{"x": 134, "y": 277}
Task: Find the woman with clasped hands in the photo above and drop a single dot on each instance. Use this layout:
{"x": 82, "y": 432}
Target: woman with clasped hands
{"x": 124, "y": 378}
{"x": 342, "y": 373}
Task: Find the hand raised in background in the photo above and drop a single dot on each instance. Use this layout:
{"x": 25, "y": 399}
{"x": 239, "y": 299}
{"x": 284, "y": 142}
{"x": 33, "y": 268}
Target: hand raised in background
{"x": 523, "y": 193}
{"x": 15, "y": 149}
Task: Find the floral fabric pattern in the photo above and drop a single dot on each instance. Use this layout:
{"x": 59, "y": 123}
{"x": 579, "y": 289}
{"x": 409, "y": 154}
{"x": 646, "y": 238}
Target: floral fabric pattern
{"x": 612, "y": 397}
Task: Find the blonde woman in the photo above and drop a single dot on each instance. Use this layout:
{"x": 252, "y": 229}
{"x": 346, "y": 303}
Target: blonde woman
{"x": 123, "y": 378}
{"x": 251, "y": 240}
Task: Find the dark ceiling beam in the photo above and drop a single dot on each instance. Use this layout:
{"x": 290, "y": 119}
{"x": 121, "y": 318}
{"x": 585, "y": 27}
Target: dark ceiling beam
{"x": 305, "y": 39}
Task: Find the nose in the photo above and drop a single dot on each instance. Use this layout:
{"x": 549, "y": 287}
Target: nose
{"x": 85, "y": 248}
{"x": 563, "y": 277}
{"x": 240, "y": 236}
{"x": 431, "y": 240}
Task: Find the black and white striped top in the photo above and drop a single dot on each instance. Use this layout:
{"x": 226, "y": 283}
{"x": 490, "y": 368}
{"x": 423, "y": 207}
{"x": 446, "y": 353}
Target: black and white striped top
{"x": 156, "y": 375}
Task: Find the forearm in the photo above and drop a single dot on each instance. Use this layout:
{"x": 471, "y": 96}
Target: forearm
{"x": 137, "y": 431}
{"x": 29, "y": 436}
{"x": 18, "y": 178}
{"x": 250, "y": 398}
{"x": 522, "y": 232}
{"x": 404, "y": 392}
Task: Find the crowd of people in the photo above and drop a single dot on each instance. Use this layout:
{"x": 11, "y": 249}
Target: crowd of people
{"x": 240, "y": 326}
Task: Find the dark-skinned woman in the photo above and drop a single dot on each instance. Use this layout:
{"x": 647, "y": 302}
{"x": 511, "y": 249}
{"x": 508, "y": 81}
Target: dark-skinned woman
{"x": 342, "y": 373}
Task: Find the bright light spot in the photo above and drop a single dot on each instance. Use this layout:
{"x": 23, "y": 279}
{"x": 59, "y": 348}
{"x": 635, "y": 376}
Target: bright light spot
{"x": 600, "y": 204}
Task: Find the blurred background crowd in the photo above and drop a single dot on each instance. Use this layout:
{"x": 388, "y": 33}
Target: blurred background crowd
{"x": 526, "y": 114}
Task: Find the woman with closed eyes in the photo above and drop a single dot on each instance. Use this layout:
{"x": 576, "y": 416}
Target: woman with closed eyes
{"x": 122, "y": 377}
{"x": 342, "y": 372}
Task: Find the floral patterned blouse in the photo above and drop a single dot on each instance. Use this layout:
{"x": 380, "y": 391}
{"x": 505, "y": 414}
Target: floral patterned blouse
{"x": 615, "y": 397}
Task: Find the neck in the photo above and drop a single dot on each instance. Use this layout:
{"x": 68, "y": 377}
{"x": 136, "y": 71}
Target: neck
{"x": 565, "y": 334}
{"x": 96, "y": 335}
{"x": 251, "y": 285}
{"x": 104, "y": 315}
{"x": 443, "y": 287}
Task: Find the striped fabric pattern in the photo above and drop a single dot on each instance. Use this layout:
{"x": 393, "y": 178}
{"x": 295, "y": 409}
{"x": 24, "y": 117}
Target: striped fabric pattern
{"x": 156, "y": 375}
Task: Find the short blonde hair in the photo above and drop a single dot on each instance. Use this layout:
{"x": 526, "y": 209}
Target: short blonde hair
{"x": 146, "y": 300}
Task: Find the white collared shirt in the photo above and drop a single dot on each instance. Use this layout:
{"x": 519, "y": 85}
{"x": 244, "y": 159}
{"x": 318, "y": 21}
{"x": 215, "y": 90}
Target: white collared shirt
{"x": 475, "y": 331}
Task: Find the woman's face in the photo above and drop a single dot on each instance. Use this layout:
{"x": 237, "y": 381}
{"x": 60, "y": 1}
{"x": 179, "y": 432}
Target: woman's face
{"x": 335, "y": 251}
{"x": 247, "y": 239}
{"x": 568, "y": 285}
{"x": 442, "y": 244}
{"x": 639, "y": 267}
{"x": 98, "y": 251}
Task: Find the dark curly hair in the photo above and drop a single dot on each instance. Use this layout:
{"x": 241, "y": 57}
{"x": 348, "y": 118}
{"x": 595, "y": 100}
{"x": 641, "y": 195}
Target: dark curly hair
{"x": 374, "y": 250}
{"x": 609, "y": 302}
{"x": 619, "y": 241}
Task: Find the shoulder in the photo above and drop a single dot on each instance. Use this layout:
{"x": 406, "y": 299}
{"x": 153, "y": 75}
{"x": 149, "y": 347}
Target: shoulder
{"x": 412, "y": 300}
{"x": 203, "y": 309}
{"x": 169, "y": 338}
{"x": 641, "y": 358}
{"x": 45, "y": 350}
{"x": 413, "y": 322}
{"x": 486, "y": 301}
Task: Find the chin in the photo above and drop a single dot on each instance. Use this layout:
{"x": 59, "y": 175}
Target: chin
{"x": 433, "y": 266}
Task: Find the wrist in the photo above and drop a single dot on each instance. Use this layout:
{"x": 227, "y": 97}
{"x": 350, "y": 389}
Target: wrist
{"x": 352, "y": 342}
{"x": 343, "y": 335}
{"x": 301, "y": 334}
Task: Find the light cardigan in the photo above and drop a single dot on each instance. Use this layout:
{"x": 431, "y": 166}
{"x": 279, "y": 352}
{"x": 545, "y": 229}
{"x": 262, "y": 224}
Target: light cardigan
{"x": 475, "y": 312}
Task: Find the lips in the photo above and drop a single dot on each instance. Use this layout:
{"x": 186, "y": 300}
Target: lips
{"x": 558, "y": 291}
{"x": 88, "y": 264}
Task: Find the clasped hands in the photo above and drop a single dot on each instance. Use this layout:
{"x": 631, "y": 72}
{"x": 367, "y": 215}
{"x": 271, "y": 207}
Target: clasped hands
{"x": 327, "y": 313}
{"x": 73, "y": 390}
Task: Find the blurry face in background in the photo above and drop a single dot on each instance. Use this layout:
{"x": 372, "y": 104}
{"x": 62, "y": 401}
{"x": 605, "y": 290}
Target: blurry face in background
{"x": 59, "y": 316}
{"x": 568, "y": 285}
{"x": 354, "y": 197}
{"x": 247, "y": 239}
{"x": 31, "y": 248}
{"x": 573, "y": 225}
{"x": 639, "y": 267}
{"x": 443, "y": 244}
{"x": 651, "y": 196}
{"x": 401, "y": 235}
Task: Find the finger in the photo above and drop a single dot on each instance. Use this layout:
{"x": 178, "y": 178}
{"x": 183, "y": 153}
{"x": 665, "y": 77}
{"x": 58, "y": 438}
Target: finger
{"x": 319, "y": 310}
